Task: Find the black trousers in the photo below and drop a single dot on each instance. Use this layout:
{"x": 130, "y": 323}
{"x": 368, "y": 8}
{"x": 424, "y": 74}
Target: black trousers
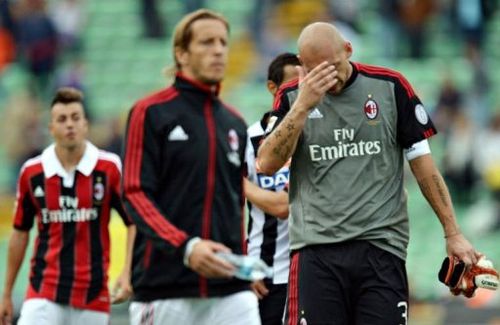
{"x": 272, "y": 307}
{"x": 348, "y": 283}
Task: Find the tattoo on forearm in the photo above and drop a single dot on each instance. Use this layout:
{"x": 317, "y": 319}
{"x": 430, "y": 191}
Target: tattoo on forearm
{"x": 276, "y": 152}
{"x": 283, "y": 149}
{"x": 282, "y": 142}
{"x": 426, "y": 190}
{"x": 440, "y": 189}
{"x": 436, "y": 194}
{"x": 425, "y": 186}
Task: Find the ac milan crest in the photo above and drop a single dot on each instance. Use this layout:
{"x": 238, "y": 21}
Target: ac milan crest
{"x": 371, "y": 108}
{"x": 98, "y": 191}
{"x": 233, "y": 140}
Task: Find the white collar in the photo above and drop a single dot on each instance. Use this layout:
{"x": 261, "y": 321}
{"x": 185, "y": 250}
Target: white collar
{"x": 52, "y": 166}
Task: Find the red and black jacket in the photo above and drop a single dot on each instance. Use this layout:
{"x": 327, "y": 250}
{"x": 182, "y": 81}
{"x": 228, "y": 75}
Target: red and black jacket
{"x": 183, "y": 169}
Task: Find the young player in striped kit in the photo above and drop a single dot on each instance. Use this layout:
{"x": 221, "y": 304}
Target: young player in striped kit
{"x": 69, "y": 190}
{"x": 268, "y": 206}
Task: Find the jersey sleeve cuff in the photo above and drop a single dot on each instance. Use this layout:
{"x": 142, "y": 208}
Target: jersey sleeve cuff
{"x": 22, "y": 228}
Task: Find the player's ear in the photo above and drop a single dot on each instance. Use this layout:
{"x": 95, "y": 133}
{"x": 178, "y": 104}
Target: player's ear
{"x": 272, "y": 87}
{"x": 181, "y": 55}
{"x": 348, "y": 49}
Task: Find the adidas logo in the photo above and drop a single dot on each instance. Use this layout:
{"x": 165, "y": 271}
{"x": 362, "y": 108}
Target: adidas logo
{"x": 38, "y": 192}
{"x": 315, "y": 113}
{"x": 178, "y": 134}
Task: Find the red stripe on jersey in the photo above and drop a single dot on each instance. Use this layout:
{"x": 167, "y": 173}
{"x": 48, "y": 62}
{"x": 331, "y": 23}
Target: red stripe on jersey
{"x": 52, "y": 272}
{"x": 41, "y": 226}
{"x": 132, "y": 174}
{"x": 207, "y": 204}
{"x": 203, "y": 286}
{"x": 281, "y": 90}
{"x": 430, "y": 132}
{"x": 137, "y": 132}
{"x": 83, "y": 263}
{"x": 105, "y": 242}
{"x": 293, "y": 292}
{"x": 31, "y": 167}
{"x": 22, "y": 190}
{"x": 96, "y": 304}
{"x": 387, "y": 72}
{"x": 147, "y": 254}
{"x": 155, "y": 220}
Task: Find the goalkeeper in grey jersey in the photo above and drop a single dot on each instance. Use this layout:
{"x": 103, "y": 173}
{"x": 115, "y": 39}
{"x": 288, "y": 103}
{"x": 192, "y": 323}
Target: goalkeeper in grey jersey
{"x": 348, "y": 127}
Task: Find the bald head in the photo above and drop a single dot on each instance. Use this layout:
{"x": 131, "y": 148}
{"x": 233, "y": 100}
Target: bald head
{"x": 320, "y": 42}
{"x": 320, "y": 37}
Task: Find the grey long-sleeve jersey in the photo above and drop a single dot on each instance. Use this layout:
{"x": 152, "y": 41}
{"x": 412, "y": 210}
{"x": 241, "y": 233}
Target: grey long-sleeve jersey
{"x": 346, "y": 176}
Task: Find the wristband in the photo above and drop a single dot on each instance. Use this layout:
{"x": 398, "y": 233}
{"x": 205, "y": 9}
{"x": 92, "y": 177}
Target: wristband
{"x": 189, "y": 249}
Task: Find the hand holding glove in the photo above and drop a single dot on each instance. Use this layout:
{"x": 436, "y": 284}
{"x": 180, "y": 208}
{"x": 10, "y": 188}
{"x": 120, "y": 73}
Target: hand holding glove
{"x": 463, "y": 279}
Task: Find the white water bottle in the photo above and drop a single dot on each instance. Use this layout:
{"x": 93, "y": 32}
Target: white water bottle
{"x": 249, "y": 268}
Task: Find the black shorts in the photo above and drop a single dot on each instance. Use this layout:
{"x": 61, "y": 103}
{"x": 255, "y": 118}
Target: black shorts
{"x": 353, "y": 282}
{"x": 272, "y": 307}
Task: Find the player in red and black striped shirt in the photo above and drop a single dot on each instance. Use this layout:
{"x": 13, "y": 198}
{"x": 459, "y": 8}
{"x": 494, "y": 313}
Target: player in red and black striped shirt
{"x": 69, "y": 190}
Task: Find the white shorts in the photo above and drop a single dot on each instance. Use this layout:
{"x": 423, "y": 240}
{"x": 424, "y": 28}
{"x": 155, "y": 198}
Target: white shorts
{"x": 45, "y": 312}
{"x": 240, "y": 308}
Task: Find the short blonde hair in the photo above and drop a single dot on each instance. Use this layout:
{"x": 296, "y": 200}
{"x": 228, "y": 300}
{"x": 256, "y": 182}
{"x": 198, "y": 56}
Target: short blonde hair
{"x": 183, "y": 33}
